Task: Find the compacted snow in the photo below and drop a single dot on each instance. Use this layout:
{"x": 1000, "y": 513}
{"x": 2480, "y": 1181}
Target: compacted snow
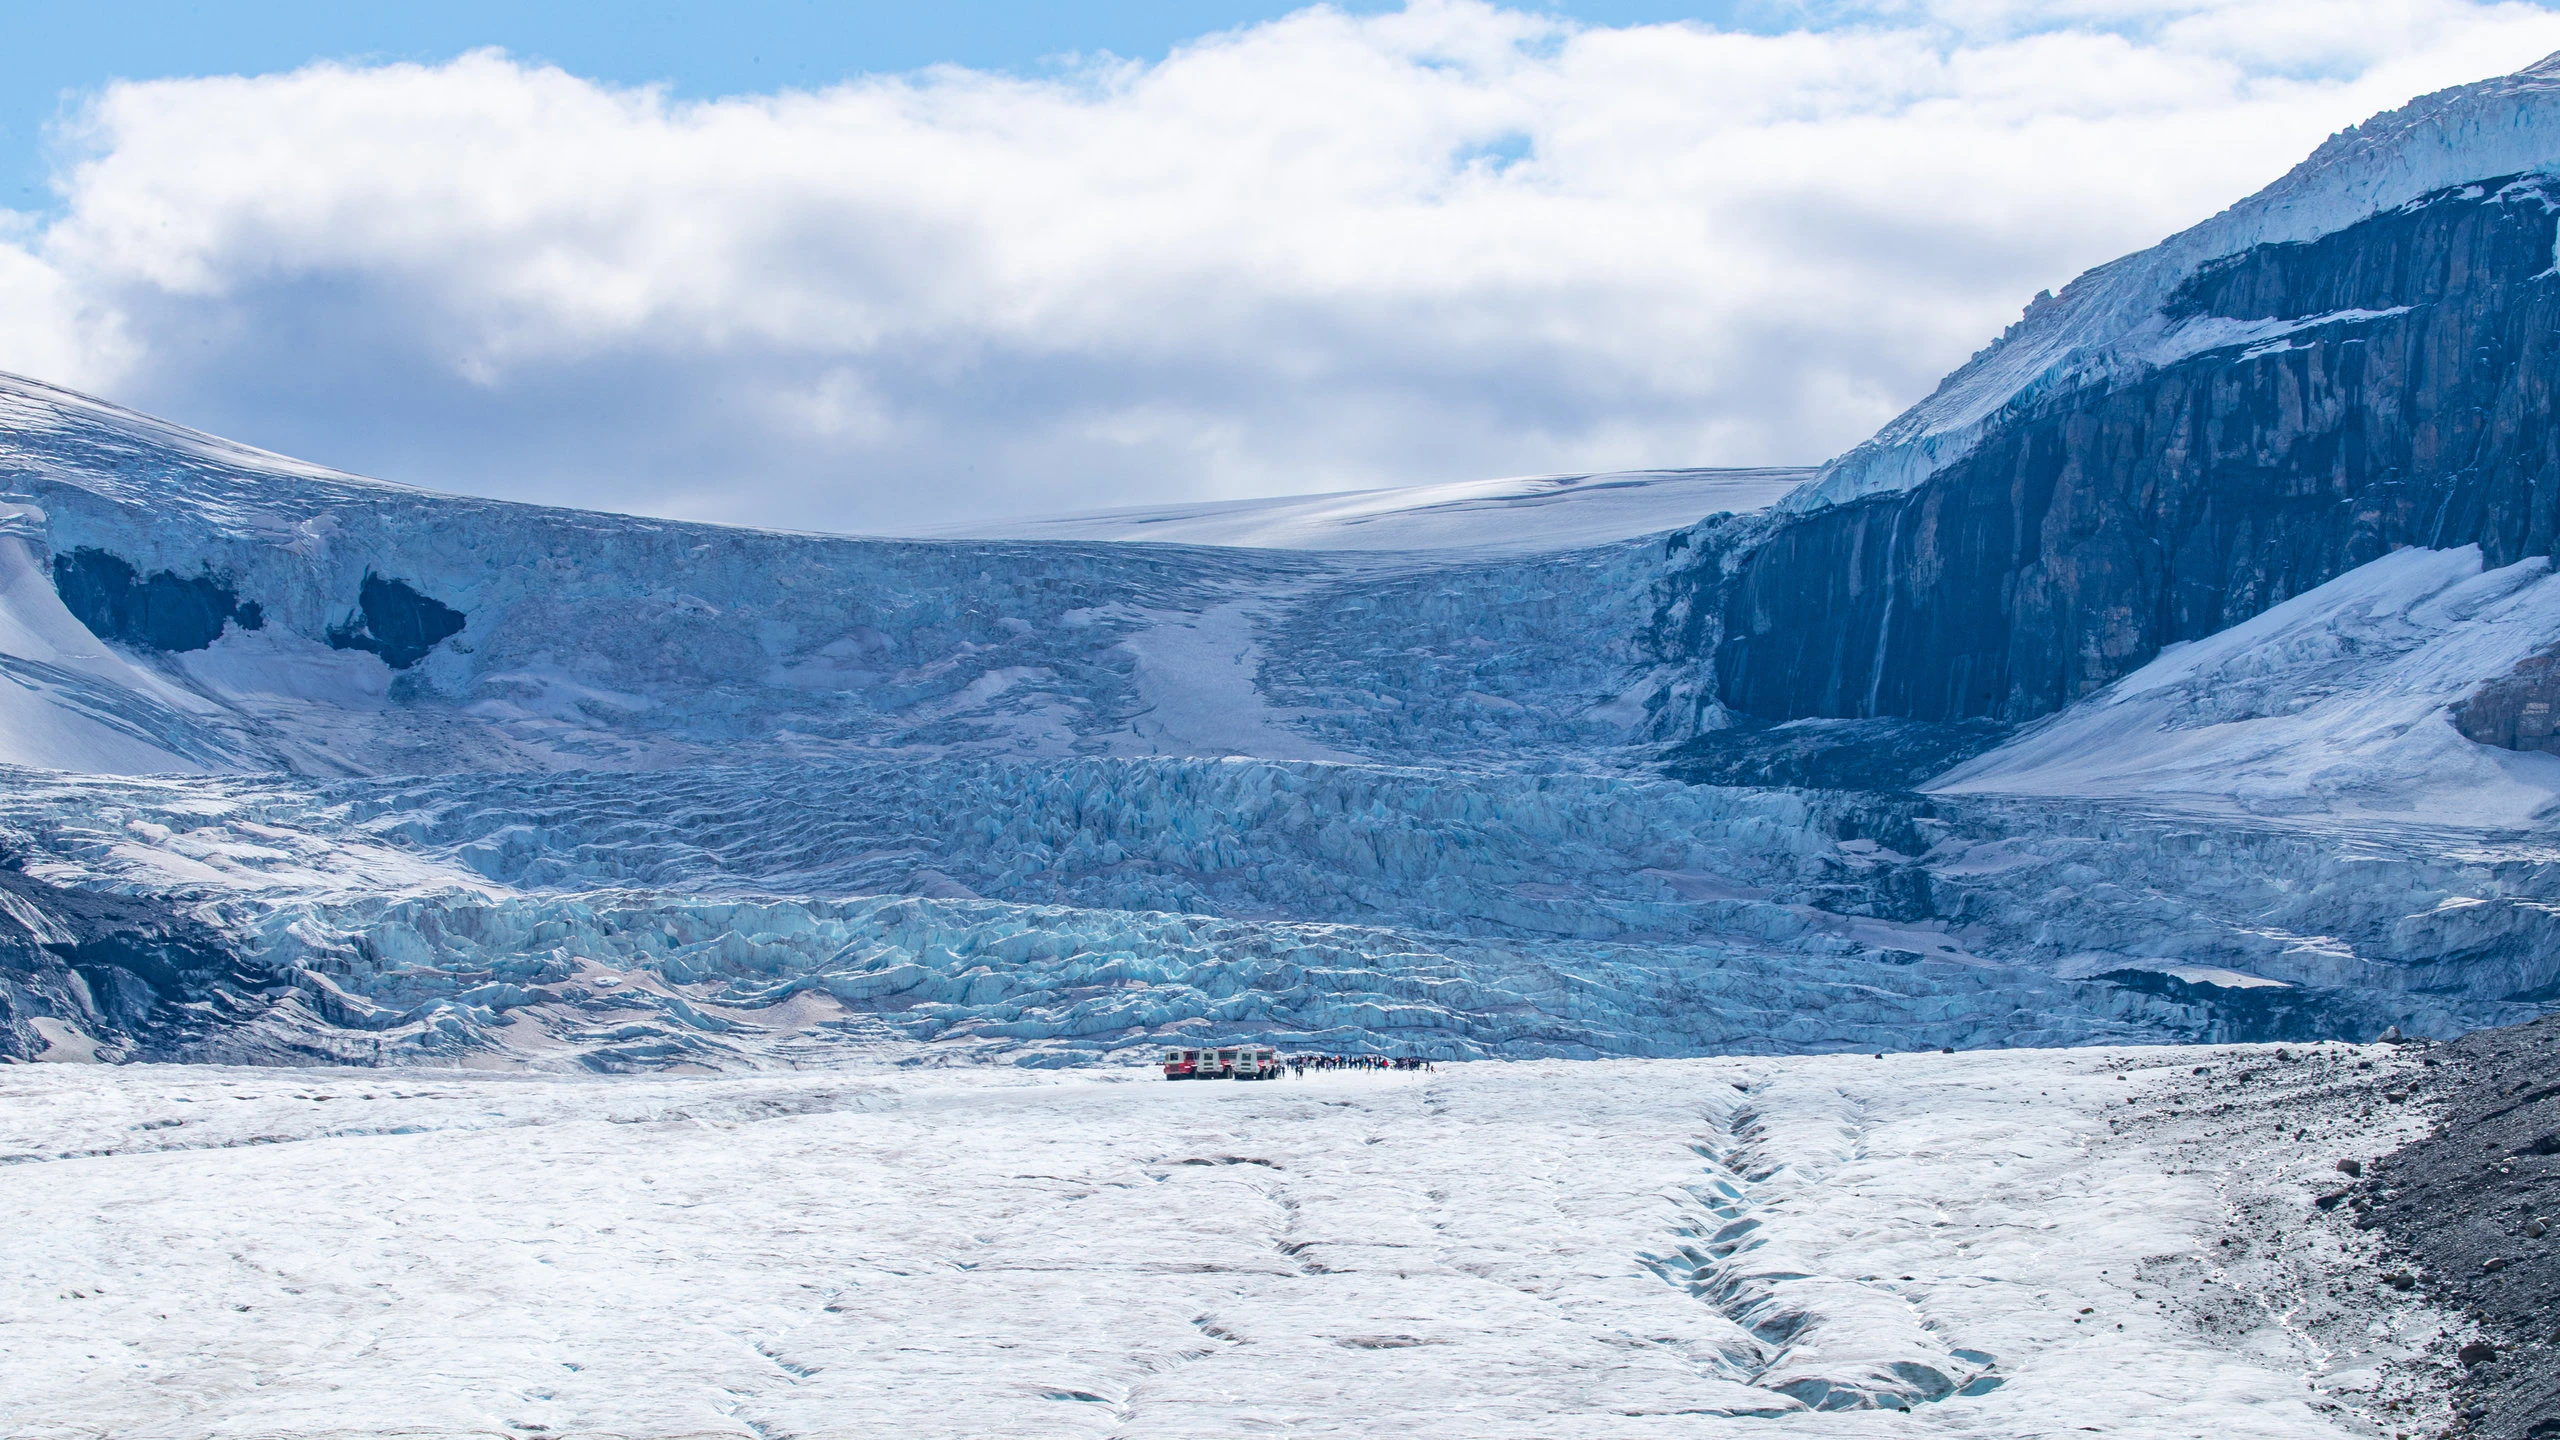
{"x": 1525, "y": 516}
{"x": 1998, "y": 1244}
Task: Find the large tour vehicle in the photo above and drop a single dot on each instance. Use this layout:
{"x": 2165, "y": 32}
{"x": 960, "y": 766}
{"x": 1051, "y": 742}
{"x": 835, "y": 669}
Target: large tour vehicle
{"x": 1238, "y": 1062}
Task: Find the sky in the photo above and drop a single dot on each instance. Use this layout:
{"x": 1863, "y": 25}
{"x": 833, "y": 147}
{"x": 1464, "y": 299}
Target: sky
{"x": 873, "y": 268}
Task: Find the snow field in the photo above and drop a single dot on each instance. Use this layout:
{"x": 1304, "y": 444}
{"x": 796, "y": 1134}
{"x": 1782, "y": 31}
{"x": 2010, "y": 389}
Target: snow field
{"x": 1520, "y": 516}
{"x": 1991, "y": 1244}
{"x": 2333, "y": 703}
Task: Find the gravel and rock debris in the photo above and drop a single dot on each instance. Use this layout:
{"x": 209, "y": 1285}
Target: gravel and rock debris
{"x": 2469, "y": 1215}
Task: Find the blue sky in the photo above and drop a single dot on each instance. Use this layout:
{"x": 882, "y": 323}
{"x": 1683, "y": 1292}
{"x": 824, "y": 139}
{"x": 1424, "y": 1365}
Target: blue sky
{"x": 1266, "y": 250}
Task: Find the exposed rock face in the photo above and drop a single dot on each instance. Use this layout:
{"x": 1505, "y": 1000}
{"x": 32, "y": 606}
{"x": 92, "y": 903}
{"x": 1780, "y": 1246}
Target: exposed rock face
{"x": 2518, "y": 711}
{"x": 2319, "y": 404}
{"x": 1830, "y": 754}
{"x": 165, "y": 611}
{"x": 88, "y": 975}
{"x": 396, "y": 622}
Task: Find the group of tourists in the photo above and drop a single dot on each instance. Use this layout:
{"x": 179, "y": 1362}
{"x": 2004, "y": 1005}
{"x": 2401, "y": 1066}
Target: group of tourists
{"x": 1301, "y": 1064}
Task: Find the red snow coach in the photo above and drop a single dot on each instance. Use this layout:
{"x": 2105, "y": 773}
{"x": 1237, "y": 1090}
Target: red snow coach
{"x": 1236, "y": 1062}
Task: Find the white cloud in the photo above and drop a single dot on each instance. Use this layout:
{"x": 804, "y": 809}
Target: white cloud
{"x": 1321, "y": 252}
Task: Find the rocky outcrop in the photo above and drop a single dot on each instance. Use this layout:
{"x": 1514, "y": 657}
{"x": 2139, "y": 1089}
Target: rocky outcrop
{"x": 2517, "y": 711}
{"x": 1882, "y": 754}
{"x": 86, "y": 975}
{"x": 2309, "y": 407}
{"x": 396, "y": 622}
{"x": 163, "y": 611}
{"x": 2470, "y": 1209}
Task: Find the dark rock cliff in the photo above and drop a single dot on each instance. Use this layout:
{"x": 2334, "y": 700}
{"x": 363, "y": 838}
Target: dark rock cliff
{"x": 2394, "y": 386}
{"x": 164, "y": 611}
{"x": 396, "y": 622}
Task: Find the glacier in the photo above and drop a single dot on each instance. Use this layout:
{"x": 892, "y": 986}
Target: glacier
{"x": 306, "y": 767}
{"x": 451, "y": 927}
{"x": 1994, "y": 1244}
{"x": 664, "y": 794}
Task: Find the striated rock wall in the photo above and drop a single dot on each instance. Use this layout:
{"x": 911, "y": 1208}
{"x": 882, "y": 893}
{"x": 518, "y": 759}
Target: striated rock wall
{"x": 2313, "y": 406}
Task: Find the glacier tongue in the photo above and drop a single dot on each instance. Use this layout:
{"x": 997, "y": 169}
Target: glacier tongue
{"x": 507, "y": 785}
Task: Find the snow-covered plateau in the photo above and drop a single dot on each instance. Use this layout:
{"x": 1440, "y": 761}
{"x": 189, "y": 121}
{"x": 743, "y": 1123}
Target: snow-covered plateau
{"x": 1529, "y": 515}
{"x": 2001, "y": 1244}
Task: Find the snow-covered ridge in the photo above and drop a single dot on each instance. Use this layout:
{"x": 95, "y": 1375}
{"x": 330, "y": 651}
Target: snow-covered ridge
{"x": 2107, "y": 322}
{"x": 1529, "y": 515}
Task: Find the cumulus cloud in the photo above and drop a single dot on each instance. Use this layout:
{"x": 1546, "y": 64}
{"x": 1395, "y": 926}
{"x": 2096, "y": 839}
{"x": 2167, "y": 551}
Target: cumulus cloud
{"x": 1324, "y": 252}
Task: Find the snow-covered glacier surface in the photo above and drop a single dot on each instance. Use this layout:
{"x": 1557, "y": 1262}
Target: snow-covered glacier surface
{"x": 2336, "y": 702}
{"x": 1537, "y": 514}
{"x": 2004, "y": 1244}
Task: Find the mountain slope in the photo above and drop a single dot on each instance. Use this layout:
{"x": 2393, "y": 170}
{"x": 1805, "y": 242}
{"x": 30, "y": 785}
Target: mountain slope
{"x": 2348, "y": 699}
{"x": 2356, "y": 361}
{"x": 2121, "y": 319}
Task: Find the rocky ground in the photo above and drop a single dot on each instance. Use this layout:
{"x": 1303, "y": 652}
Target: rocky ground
{"x": 2472, "y": 1215}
